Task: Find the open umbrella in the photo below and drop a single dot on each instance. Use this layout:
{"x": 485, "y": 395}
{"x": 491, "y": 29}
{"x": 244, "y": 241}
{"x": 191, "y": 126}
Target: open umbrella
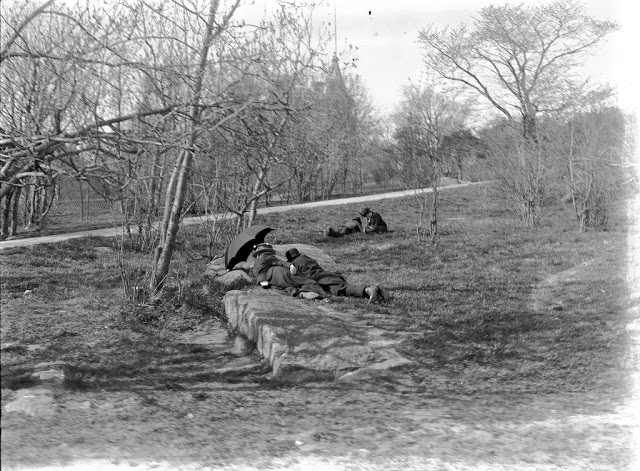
{"x": 240, "y": 248}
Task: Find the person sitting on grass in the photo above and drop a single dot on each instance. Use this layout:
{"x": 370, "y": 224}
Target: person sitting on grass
{"x": 333, "y": 282}
{"x": 270, "y": 271}
{"x": 373, "y": 223}
{"x": 352, "y": 227}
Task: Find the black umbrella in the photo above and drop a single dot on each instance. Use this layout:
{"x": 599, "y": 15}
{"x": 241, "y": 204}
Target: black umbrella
{"x": 241, "y": 247}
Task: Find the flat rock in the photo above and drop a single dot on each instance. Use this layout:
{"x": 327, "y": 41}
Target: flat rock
{"x": 232, "y": 277}
{"x": 246, "y": 265}
{"x": 35, "y": 402}
{"x": 217, "y": 262}
{"x": 52, "y": 372}
{"x": 216, "y": 267}
{"x": 307, "y": 340}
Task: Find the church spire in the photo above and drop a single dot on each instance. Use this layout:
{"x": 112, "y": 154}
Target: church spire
{"x": 335, "y": 29}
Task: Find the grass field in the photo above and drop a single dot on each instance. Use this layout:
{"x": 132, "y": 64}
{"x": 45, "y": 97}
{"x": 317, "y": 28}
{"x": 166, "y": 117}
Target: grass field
{"x": 515, "y": 333}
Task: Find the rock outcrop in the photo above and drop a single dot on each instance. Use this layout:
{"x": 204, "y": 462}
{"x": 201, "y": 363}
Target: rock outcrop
{"x": 309, "y": 340}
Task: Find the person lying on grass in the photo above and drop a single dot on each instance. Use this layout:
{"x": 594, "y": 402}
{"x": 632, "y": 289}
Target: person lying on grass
{"x": 352, "y": 227}
{"x": 335, "y": 283}
{"x": 270, "y": 271}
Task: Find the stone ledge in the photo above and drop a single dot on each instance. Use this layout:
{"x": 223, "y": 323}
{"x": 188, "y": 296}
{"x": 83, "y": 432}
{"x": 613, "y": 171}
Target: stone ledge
{"x": 307, "y": 341}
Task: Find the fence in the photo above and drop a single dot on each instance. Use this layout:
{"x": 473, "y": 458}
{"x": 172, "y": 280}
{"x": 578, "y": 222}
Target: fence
{"x": 69, "y": 207}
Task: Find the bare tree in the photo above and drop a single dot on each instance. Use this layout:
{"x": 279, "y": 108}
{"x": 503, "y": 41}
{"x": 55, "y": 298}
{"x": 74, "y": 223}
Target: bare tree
{"x": 177, "y": 189}
{"x": 589, "y": 145}
{"x": 521, "y": 166}
{"x": 423, "y": 120}
{"x": 286, "y": 54}
{"x": 523, "y": 61}
{"x": 65, "y": 73}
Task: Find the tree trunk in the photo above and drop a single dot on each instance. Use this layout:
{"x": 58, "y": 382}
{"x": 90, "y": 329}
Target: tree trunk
{"x": 253, "y": 207}
{"x": 170, "y": 223}
{"x": 169, "y": 196}
{"x": 81, "y": 200}
{"x": 164, "y": 257}
{"x": 88, "y": 193}
{"x": 15, "y": 201}
{"x": 529, "y": 127}
{"x": 433, "y": 213}
{"x": 6, "y": 215}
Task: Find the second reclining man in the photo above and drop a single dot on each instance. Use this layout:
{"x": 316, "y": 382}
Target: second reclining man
{"x": 332, "y": 282}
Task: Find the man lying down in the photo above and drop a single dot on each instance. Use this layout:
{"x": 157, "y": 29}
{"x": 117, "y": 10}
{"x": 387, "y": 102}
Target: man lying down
{"x": 298, "y": 279}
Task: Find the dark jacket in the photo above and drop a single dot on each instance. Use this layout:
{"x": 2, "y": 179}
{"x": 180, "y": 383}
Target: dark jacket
{"x": 270, "y": 268}
{"x": 331, "y": 281}
{"x": 351, "y": 227}
{"x": 375, "y": 223}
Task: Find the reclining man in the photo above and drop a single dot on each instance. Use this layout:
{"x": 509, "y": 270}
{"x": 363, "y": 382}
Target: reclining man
{"x": 269, "y": 270}
{"x": 352, "y": 227}
{"x": 333, "y": 282}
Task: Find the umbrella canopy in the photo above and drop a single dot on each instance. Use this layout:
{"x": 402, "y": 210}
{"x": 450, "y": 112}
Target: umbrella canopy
{"x": 240, "y": 248}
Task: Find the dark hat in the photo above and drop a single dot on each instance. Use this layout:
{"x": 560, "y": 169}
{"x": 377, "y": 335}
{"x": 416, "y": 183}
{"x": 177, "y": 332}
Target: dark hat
{"x": 365, "y": 211}
{"x": 291, "y": 254}
{"x": 263, "y": 247}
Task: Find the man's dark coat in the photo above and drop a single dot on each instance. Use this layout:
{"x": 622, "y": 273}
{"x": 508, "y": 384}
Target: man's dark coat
{"x": 331, "y": 281}
{"x": 375, "y": 223}
{"x": 270, "y": 268}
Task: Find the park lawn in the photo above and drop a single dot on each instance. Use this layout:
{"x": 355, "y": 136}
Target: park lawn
{"x": 496, "y": 313}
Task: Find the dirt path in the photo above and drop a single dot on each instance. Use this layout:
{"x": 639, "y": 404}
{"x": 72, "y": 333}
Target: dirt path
{"x": 115, "y": 231}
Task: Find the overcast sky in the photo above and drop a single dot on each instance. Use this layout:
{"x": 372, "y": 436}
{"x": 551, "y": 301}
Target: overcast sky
{"x": 387, "y": 55}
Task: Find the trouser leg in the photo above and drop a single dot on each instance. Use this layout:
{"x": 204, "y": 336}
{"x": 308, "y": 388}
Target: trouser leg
{"x": 354, "y": 290}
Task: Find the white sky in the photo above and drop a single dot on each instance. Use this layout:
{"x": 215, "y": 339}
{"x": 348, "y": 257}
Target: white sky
{"x": 387, "y": 54}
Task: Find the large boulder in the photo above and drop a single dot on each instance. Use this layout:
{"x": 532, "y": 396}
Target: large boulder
{"x": 216, "y": 268}
{"x": 233, "y": 277}
{"x": 54, "y": 373}
{"x": 35, "y": 402}
{"x": 307, "y": 340}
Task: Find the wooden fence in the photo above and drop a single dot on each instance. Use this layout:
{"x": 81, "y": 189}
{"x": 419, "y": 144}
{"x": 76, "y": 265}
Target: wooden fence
{"x": 70, "y": 207}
